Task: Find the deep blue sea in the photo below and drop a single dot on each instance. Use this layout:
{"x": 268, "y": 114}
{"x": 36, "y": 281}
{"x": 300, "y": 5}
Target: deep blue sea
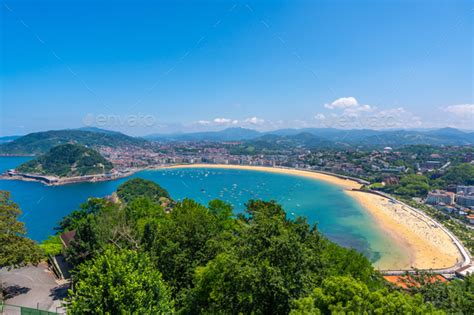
{"x": 337, "y": 215}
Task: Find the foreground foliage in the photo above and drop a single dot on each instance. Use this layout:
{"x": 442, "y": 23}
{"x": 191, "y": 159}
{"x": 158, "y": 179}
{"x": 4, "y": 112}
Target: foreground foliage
{"x": 455, "y": 297}
{"x": 270, "y": 262}
{"x": 344, "y": 295}
{"x": 15, "y": 249}
{"x": 119, "y": 282}
{"x": 52, "y": 245}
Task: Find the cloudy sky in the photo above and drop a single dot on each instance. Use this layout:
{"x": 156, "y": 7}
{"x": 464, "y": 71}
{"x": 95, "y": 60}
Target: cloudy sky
{"x": 147, "y": 67}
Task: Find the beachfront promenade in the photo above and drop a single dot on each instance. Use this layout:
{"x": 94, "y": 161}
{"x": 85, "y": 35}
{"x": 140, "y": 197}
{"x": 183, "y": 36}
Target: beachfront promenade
{"x": 467, "y": 259}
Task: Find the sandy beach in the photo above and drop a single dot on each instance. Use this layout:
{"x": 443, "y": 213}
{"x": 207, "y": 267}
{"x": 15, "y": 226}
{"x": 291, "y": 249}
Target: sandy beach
{"x": 427, "y": 245}
{"x": 424, "y": 245}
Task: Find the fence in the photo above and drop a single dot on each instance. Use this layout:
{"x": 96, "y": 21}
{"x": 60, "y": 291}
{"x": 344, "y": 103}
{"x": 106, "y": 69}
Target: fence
{"x": 8, "y": 309}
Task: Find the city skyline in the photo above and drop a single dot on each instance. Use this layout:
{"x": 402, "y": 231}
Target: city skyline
{"x": 209, "y": 66}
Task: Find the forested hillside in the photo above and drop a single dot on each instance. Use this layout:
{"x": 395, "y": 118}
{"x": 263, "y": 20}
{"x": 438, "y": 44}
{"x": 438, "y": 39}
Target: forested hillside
{"x": 42, "y": 142}
{"x": 67, "y": 160}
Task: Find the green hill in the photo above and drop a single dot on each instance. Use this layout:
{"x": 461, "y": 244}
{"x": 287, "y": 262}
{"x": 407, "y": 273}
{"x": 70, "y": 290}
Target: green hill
{"x": 138, "y": 187}
{"x": 42, "y": 142}
{"x": 67, "y": 160}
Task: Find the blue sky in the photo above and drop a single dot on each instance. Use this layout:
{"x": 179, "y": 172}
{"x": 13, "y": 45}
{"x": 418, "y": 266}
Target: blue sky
{"x": 151, "y": 66}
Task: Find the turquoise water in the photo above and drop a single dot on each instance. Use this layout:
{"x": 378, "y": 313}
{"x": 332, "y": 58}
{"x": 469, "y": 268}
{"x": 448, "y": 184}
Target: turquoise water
{"x": 337, "y": 215}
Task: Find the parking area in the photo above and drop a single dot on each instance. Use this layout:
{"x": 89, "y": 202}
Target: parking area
{"x": 34, "y": 287}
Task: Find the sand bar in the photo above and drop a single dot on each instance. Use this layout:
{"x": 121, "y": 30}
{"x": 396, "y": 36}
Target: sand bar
{"x": 426, "y": 245}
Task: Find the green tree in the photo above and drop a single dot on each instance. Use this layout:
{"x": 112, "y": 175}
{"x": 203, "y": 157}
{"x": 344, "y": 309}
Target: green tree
{"x": 345, "y": 295}
{"x": 138, "y": 187}
{"x": 181, "y": 241}
{"x": 52, "y": 245}
{"x": 142, "y": 208}
{"x": 119, "y": 282}
{"x": 413, "y": 186}
{"x": 67, "y": 160}
{"x": 86, "y": 242}
{"x": 457, "y": 296}
{"x": 271, "y": 261}
{"x": 223, "y": 212}
{"x": 462, "y": 174}
{"x": 98, "y": 227}
{"x": 15, "y": 249}
{"x": 91, "y": 206}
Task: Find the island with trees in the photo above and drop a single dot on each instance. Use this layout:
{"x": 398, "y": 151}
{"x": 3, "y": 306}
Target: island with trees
{"x": 65, "y": 163}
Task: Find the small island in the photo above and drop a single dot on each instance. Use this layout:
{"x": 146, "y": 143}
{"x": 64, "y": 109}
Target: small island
{"x": 65, "y": 164}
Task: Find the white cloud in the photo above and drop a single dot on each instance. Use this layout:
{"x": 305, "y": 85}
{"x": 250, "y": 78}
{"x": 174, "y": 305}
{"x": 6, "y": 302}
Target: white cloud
{"x": 369, "y": 117}
{"x": 343, "y": 102}
{"x": 254, "y": 121}
{"x": 349, "y": 105}
{"x": 319, "y": 116}
{"x": 222, "y": 121}
{"x": 357, "y": 109}
{"x": 461, "y": 110}
{"x": 203, "y": 122}
{"x": 392, "y": 112}
{"x": 219, "y": 121}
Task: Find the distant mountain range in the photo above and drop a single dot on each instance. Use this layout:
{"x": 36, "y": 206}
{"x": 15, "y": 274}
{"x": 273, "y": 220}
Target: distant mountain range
{"x": 229, "y": 134}
{"x": 42, "y": 142}
{"x": 314, "y": 137}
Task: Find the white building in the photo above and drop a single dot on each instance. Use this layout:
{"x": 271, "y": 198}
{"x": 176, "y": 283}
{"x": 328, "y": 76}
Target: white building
{"x": 436, "y": 197}
{"x": 465, "y": 200}
{"x": 466, "y": 190}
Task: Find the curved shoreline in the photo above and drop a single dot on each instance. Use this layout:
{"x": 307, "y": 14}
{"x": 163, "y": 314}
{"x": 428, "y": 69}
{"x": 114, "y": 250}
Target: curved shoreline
{"x": 341, "y": 181}
{"x": 426, "y": 244}
{"x": 423, "y": 242}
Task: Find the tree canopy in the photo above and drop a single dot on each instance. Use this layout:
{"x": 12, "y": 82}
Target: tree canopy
{"x": 15, "y": 248}
{"x": 413, "y": 185}
{"x": 138, "y": 187}
{"x": 462, "y": 174}
{"x": 67, "y": 160}
{"x": 271, "y": 261}
{"x": 345, "y": 295}
{"x": 119, "y": 282}
{"x": 455, "y": 297}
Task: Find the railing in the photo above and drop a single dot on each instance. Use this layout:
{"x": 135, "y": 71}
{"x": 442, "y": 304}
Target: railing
{"x": 9, "y": 309}
{"x": 54, "y": 265}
